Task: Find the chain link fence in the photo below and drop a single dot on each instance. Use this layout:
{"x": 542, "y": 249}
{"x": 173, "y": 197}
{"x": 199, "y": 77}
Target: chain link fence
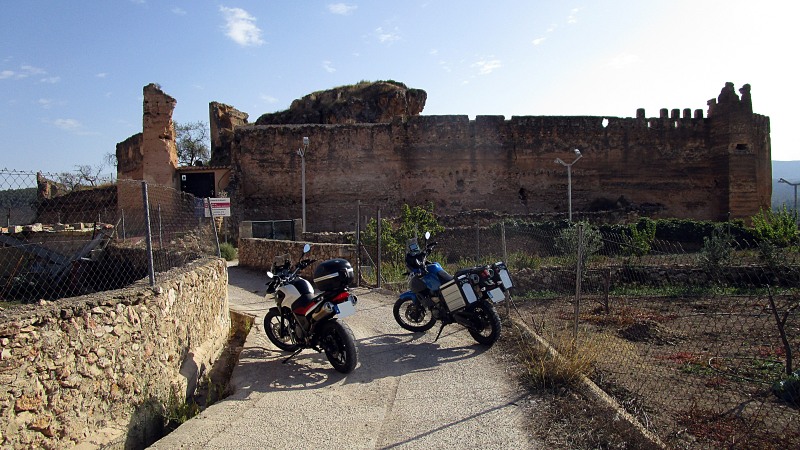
{"x": 62, "y": 241}
{"x": 695, "y": 339}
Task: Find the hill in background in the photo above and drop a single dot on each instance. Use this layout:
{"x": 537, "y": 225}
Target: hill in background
{"x": 782, "y": 193}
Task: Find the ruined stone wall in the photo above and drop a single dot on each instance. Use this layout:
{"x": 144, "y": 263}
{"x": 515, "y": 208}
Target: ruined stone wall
{"x": 223, "y": 120}
{"x": 670, "y": 166}
{"x": 97, "y": 368}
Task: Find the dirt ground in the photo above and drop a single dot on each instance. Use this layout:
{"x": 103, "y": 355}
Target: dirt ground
{"x": 696, "y": 372}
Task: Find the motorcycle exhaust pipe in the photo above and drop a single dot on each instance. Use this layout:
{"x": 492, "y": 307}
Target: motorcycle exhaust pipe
{"x": 326, "y": 309}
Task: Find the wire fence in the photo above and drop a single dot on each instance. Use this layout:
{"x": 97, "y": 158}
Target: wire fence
{"x": 696, "y": 341}
{"x": 62, "y": 241}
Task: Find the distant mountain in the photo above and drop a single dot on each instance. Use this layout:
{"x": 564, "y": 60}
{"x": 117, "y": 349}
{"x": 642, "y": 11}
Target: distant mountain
{"x": 782, "y": 193}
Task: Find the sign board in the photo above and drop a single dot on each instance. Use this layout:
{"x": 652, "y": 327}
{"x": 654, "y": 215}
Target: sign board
{"x": 221, "y": 207}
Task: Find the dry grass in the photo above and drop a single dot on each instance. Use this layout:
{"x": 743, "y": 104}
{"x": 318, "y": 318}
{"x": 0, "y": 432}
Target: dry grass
{"x": 560, "y": 415}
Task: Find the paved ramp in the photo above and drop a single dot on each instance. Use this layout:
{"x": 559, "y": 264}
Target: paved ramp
{"x": 407, "y": 392}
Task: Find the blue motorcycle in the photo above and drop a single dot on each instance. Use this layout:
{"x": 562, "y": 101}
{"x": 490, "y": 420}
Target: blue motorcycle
{"x": 467, "y": 298}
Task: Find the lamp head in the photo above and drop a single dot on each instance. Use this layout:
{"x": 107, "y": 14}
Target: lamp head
{"x": 305, "y": 141}
{"x": 577, "y": 152}
{"x": 559, "y": 161}
{"x": 783, "y": 181}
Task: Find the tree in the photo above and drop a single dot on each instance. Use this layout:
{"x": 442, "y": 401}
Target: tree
{"x": 193, "y": 143}
{"x": 84, "y": 176}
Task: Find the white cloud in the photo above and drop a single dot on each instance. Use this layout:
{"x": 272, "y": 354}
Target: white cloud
{"x": 101, "y": 75}
{"x": 45, "y": 103}
{"x": 387, "y": 37}
{"x": 328, "y": 66}
{"x": 67, "y": 124}
{"x": 433, "y": 52}
{"x": 178, "y": 11}
{"x": 269, "y": 98}
{"x": 486, "y": 67}
{"x": 240, "y": 26}
{"x": 341, "y": 8}
{"x": 26, "y": 71}
{"x": 572, "y": 15}
{"x": 538, "y": 41}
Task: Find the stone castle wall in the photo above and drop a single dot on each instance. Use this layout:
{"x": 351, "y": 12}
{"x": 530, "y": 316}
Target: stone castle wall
{"x": 672, "y": 166}
{"x": 97, "y": 368}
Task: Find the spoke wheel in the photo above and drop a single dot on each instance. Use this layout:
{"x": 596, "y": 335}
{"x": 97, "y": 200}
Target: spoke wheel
{"x": 412, "y": 316}
{"x": 279, "y": 331}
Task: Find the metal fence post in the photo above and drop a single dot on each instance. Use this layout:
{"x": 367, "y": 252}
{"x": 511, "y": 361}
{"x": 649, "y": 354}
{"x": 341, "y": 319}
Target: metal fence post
{"x": 214, "y": 226}
{"x": 378, "y": 256}
{"x": 503, "y": 241}
{"x": 160, "y": 229}
{"x": 578, "y": 273}
{"x": 358, "y": 242}
{"x": 146, "y": 204}
{"x": 477, "y": 243}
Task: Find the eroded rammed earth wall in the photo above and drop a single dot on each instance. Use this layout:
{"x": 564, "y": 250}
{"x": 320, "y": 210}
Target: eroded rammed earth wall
{"x": 676, "y": 165}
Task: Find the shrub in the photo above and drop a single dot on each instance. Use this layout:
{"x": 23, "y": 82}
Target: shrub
{"x": 228, "y": 251}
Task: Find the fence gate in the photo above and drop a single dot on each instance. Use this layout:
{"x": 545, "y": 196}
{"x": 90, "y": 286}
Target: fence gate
{"x": 368, "y": 254}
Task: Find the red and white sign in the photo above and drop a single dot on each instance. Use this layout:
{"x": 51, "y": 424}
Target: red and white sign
{"x": 221, "y": 207}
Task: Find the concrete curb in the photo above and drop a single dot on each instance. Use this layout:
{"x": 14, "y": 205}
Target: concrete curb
{"x": 590, "y": 389}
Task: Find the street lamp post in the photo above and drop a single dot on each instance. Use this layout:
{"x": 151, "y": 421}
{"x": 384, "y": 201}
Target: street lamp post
{"x": 569, "y": 178}
{"x": 794, "y": 185}
{"x": 302, "y": 152}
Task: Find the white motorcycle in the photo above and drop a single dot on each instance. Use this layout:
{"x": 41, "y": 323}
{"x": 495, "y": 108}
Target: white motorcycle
{"x": 304, "y": 319}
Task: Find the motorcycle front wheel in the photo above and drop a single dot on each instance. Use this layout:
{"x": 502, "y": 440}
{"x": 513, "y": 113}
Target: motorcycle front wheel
{"x": 339, "y": 344}
{"x": 412, "y": 316}
{"x": 486, "y": 321}
{"x": 279, "y": 331}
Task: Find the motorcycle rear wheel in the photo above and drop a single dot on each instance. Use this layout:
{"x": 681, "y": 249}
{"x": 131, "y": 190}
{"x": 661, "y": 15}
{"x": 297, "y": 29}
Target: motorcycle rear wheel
{"x": 487, "y": 323}
{"x": 339, "y": 344}
{"x": 412, "y": 316}
{"x": 280, "y": 334}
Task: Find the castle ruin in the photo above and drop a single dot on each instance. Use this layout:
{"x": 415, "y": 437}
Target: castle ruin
{"x": 380, "y": 151}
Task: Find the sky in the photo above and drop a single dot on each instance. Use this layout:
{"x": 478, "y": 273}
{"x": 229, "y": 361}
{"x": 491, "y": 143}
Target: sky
{"x": 72, "y": 72}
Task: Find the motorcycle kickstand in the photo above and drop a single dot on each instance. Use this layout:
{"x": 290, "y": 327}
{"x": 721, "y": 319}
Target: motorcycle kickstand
{"x": 297, "y": 352}
{"x": 440, "y": 332}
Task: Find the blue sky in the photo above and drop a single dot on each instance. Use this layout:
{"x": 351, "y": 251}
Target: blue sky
{"x": 72, "y": 72}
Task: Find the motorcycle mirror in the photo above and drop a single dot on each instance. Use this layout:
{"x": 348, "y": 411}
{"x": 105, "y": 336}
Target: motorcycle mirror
{"x": 427, "y": 235}
{"x": 306, "y": 248}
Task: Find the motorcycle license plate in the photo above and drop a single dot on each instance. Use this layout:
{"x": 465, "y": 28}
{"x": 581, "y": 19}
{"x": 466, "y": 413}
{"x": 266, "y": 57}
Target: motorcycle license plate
{"x": 346, "y": 308}
{"x": 497, "y": 295}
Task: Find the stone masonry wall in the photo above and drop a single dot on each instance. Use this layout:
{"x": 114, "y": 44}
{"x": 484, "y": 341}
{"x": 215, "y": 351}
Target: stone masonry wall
{"x": 682, "y": 166}
{"x": 98, "y": 368}
{"x": 260, "y": 253}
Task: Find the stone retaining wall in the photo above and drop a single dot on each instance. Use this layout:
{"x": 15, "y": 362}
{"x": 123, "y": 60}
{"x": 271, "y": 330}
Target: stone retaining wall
{"x": 100, "y": 368}
{"x": 260, "y": 253}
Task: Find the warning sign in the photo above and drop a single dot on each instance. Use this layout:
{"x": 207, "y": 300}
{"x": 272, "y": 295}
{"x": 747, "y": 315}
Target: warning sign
{"x": 221, "y": 207}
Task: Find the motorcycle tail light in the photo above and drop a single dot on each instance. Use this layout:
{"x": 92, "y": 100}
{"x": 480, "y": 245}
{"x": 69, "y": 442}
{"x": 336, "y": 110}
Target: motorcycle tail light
{"x": 343, "y": 296}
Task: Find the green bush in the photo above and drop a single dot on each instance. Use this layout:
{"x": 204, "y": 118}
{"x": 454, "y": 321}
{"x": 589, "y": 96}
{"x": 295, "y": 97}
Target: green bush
{"x": 228, "y": 251}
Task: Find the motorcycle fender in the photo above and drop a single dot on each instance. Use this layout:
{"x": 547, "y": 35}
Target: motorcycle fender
{"x": 409, "y": 295}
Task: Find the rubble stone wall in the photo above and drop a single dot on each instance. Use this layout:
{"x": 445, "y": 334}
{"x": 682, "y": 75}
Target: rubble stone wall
{"x": 99, "y": 368}
{"x": 260, "y": 253}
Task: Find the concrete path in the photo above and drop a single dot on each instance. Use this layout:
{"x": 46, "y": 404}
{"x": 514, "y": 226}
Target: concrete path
{"x": 407, "y": 392}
